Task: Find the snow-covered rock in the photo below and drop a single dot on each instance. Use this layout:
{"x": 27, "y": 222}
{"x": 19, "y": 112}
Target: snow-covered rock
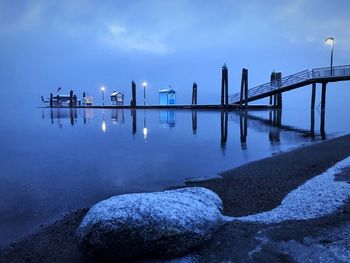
{"x": 162, "y": 224}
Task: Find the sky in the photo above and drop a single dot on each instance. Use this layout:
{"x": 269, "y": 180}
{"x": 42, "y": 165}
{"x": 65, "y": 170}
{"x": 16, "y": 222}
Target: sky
{"x": 84, "y": 44}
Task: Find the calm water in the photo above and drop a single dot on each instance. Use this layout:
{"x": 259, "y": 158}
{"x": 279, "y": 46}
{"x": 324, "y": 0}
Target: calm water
{"x": 54, "y": 161}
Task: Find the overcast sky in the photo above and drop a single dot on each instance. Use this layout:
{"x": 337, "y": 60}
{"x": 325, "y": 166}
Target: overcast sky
{"x": 84, "y": 44}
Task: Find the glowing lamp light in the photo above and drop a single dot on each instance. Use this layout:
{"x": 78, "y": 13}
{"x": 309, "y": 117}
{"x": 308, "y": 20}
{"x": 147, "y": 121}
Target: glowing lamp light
{"x": 103, "y": 88}
{"x": 144, "y": 84}
{"x": 330, "y": 41}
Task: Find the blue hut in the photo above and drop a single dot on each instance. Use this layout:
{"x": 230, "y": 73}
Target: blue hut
{"x": 167, "y": 97}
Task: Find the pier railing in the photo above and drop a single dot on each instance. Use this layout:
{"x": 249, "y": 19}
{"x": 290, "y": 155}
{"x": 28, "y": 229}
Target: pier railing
{"x": 297, "y": 78}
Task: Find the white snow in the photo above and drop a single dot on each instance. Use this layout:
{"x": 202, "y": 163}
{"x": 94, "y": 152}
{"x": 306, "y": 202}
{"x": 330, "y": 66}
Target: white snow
{"x": 319, "y": 196}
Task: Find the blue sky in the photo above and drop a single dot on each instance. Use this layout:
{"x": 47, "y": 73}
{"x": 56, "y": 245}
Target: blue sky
{"x": 82, "y": 45}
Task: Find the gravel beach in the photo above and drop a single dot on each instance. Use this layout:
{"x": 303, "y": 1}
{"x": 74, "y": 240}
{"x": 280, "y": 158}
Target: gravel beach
{"x": 253, "y": 188}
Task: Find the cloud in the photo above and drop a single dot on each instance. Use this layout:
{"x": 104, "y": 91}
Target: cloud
{"x": 119, "y": 37}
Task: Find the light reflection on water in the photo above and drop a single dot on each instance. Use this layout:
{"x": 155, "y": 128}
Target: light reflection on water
{"x": 72, "y": 158}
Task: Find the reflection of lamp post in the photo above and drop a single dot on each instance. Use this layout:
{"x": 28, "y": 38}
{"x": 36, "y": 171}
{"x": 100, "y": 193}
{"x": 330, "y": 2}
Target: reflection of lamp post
{"x": 145, "y": 130}
{"x": 144, "y": 84}
{"x": 103, "y": 95}
{"x": 330, "y": 41}
{"x": 103, "y": 125}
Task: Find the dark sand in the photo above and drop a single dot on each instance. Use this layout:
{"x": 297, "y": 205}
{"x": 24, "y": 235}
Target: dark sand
{"x": 249, "y": 189}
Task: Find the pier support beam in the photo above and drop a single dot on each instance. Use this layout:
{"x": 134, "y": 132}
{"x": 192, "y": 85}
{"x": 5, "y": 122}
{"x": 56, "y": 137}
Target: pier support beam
{"x": 323, "y": 96}
{"x": 313, "y": 96}
{"x": 194, "y": 93}
{"x": 133, "y": 98}
{"x": 323, "y": 110}
{"x": 224, "y": 86}
{"x": 244, "y": 88}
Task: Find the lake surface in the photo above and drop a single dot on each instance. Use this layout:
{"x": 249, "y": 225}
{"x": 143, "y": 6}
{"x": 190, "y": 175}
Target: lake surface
{"x": 56, "y": 160}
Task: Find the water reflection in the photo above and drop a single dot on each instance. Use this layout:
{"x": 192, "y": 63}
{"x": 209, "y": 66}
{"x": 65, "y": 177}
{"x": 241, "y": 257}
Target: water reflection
{"x": 133, "y": 116}
{"x": 194, "y": 122}
{"x": 272, "y": 125}
{"x": 243, "y": 127}
{"x": 167, "y": 118}
{"x": 224, "y": 129}
{"x": 117, "y": 116}
{"x": 61, "y": 114}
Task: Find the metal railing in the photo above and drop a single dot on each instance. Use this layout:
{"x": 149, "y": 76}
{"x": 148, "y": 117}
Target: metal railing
{"x": 303, "y": 76}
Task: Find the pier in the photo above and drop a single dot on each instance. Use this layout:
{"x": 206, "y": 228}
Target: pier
{"x": 277, "y": 86}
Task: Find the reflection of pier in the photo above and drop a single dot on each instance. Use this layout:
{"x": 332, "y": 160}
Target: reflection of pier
{"x": 167, "y": 118}
{"x": 59, "y": 114}
{"x": 274, "y": 127}
{"x": 117, "y": 116}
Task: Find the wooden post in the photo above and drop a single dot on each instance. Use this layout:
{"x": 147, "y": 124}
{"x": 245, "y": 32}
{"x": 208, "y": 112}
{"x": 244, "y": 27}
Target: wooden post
{"x": 133, "y": 89}
{"x": 242, "y": 90}
{"x": 51, "y": 100}
{"x": 226, "y": 87}
{"x": 322, "y": 125}
{"x": 279, "y": 96}
{"x": 71, "y": 98}
{"x": 194, "y": 93}
{"x": 223, "y": 85}
{"x": 312, "y": 128}
{"x": 246, "y": 87}
{"x": 323, "y": 98}
{"x": 313, "y": 96}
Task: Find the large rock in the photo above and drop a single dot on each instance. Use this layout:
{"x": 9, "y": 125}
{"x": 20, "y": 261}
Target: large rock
{"x": 162, "y": 224}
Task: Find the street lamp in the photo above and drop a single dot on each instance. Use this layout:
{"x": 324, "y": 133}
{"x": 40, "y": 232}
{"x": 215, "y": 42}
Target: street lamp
{"x": 103, "y": 95}
{"x": 144, "y": 84}
{"x": 330, "y": 41}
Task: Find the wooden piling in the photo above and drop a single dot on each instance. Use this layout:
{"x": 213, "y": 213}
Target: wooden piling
{"x": 133, "y": 91}
{"x": 51, "y": 100}
{"x": 312, "y": 123}
{"x": 224, "y": 86}
{"x": 244, "y": 88}
{"x": 71, "y": 98}
{"x": 323, "y": 96}
{"x": 194, "y": 93}
{"x": 313, "y": 96}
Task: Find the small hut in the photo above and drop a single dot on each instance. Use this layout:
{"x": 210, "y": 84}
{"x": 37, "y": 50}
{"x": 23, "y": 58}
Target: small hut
{"x": 167, "y": 97}
{"x": 117, "y": 98}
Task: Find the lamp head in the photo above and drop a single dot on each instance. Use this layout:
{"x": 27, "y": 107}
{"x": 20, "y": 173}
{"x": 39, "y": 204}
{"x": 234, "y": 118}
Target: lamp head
{"x": 144, "y": 84}
{"x": 330, "y": 41}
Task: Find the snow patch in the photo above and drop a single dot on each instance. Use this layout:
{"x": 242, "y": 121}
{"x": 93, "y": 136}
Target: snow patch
{"x": 320, "y": 196}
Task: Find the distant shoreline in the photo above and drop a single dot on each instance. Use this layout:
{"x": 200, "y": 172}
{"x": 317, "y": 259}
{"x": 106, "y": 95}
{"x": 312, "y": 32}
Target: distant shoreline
{"x": 252, "y": 188}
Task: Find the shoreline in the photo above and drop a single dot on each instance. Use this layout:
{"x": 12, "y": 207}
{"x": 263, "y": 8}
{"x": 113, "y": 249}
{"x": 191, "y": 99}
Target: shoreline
{"x": 252, "y": 188}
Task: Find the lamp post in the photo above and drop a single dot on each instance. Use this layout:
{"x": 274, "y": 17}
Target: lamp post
{"x": 330, "y": 41}
{"x": 103, "y": 95}
{"x": 144, "y": 84}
